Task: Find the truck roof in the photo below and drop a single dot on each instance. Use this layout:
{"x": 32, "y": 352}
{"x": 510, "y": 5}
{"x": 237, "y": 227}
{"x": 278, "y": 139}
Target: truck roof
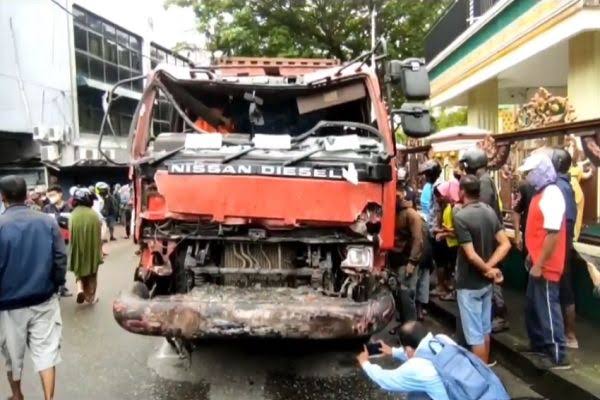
{"x": 275, "y": 66}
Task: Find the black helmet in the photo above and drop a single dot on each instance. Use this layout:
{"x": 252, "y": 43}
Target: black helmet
{"x": 83, "y": 197}
{"x": 561, "y": 159}
{"x": 431, "y": 169}
{"x": 473, "y": 159}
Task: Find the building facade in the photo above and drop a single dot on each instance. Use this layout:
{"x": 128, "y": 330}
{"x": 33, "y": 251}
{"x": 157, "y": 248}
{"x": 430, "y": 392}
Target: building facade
{"x": 493, "y": 62}
{"x": 59, "y": 59}
{"x": 492, "y": 57}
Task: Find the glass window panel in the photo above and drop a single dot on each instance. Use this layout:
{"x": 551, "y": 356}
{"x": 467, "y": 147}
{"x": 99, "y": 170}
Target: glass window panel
{"x": 122, "y": 38}
{"x": 138, "y": 85}
{"x": 112, "y": 74}
{"x": 80, "y": 39}
{"x": 81, "y": 64}
{"x": 96, "y": 69}
{"x": 124, "y": 57}
{"x": 124, "y": 74}
{"x": 95, "y": 42}
{"x": 94, "y": 23}
{"x": 110, "y": 32}
{"x": 124, "y": 124}
{"x": 79, "y": 16}
{"x": 134, "y": 42}
{"x": 136, "y": 63}
{"x": 110, "y": 50}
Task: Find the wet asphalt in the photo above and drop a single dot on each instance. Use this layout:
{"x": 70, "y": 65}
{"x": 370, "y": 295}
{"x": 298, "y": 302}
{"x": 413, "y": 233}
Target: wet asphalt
{"x": 102, "y": 361}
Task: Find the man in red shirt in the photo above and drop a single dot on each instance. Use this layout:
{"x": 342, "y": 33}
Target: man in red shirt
{"x": 545, "y": 239}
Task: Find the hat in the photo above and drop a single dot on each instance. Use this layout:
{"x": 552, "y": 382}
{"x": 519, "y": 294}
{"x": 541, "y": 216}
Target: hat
{"x": 533, "y": 161}
{"x": 449, "y": 190}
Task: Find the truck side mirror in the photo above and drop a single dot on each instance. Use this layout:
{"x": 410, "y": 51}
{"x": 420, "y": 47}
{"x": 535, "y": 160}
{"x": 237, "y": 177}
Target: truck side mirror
{"x": 415, "y": 120}
{"x": 411, "y": 77}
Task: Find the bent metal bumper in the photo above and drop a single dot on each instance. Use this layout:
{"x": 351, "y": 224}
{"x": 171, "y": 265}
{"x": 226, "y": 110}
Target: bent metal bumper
{"x": 225, "y": 311}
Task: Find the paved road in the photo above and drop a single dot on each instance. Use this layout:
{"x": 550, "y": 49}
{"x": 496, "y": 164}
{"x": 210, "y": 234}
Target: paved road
{"x": 101, "y": 361}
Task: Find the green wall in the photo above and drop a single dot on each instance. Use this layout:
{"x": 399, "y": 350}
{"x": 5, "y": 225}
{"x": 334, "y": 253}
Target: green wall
{"x": 515, "y": 277}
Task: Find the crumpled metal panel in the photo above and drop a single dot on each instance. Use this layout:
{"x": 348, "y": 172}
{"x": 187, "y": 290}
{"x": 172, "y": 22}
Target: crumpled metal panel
{"x": 227, "y": 311}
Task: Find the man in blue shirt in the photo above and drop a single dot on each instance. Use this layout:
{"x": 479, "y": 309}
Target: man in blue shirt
{"x": 416, "y": 375}
{"x": 33, "y": 264}
{"x": 561, "y": 159}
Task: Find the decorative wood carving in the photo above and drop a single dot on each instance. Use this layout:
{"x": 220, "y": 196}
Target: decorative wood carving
{"x": 544, "y": 109}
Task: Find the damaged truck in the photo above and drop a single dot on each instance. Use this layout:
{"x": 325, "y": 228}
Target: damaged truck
{"x": 265, "y": 207}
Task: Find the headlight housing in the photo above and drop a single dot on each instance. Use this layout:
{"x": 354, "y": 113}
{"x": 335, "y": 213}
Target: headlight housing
{"x": 358, "y": 257}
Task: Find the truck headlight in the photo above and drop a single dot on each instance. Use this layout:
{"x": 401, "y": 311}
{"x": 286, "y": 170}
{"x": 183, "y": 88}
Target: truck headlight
{"x": 358, "y": 257}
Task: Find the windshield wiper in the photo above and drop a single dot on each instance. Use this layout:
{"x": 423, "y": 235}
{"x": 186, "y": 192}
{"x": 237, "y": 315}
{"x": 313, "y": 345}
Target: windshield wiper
{"x": 320, "y": 147}
{"x": 357, "y": 125}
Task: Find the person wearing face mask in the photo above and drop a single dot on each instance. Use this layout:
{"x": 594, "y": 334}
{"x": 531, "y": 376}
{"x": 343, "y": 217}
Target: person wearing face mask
{"x": 546, "y": 242}
{"x": 416, "y": 374}
{"x": 56, "y": 205}
{"x": 433, "y": 367}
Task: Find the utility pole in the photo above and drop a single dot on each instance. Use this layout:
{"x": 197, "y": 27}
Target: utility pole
{"x": 373, "y": 32}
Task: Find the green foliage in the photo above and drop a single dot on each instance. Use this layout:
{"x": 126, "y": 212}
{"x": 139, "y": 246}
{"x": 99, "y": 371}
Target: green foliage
{"x": 313, "y": 28}
{"x": 447, "y": 120}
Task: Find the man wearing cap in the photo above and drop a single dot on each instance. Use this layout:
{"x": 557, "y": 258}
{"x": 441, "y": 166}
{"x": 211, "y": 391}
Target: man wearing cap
{"x": 546, "y": 242}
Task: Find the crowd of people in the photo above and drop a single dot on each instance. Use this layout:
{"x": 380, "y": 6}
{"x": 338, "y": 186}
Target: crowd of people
{"x": 459, "y": 240}
{"x": 42, "y": 235}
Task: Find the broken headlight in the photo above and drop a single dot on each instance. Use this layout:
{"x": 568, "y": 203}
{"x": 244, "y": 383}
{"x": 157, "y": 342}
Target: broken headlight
{"x": 358, "y": 257}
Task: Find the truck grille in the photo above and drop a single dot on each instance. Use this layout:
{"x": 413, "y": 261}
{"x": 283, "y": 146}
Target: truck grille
{"x": 258, "y": 256}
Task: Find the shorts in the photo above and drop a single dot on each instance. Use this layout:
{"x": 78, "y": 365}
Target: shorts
{"x": 38, "y": 328}
{"x": 475, "y": 308}
{"x": 444, "y": 256}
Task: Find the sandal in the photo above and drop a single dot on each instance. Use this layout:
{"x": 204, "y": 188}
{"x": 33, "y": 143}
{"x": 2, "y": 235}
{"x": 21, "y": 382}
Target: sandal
{"x": 80, "y": 297}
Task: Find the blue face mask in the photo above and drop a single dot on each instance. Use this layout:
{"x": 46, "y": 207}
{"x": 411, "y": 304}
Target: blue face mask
{"x": 543, "y": 175}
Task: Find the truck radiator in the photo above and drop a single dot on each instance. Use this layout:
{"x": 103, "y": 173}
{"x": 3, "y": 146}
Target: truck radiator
{"x": 258, "y": 256}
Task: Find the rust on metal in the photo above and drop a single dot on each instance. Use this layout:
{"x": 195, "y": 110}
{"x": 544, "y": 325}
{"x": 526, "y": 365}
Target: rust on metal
{"x": 227, "y": 311}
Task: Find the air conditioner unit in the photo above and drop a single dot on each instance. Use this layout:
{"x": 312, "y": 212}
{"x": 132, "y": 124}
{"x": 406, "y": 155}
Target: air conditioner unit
{"x": 90, "y": 154}
{"x": 56, "y": 134}
{"x": 112, "y": 153}
{"x": 40, "y": 132}
{"x": 49, "y": 152}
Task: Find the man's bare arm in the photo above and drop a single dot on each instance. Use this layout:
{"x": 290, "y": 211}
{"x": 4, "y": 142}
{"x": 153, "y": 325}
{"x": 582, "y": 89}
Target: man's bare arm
{"x": 516, "y": 217}
{"x": 501, "y": 250}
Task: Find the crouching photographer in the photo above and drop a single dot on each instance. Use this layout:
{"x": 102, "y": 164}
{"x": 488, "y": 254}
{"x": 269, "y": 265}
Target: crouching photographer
{"x": 433, "y": 366}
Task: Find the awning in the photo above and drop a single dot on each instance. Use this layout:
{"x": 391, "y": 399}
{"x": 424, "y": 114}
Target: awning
{"x": 105, "y": 87}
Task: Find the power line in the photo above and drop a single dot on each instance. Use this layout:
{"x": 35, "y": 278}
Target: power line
{"x": 63, "y": 8}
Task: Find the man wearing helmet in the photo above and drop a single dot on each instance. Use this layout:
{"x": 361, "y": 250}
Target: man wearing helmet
{"x": 474, "y": 162}
{"x": 109, "y": 209}
{"x": 85, "y": 252}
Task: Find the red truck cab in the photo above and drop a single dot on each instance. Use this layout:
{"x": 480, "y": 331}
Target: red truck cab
{"x": 267, "y": 207}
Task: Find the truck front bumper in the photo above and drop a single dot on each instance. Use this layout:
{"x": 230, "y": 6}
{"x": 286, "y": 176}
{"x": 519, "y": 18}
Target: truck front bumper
{"x": 226, "y": 311}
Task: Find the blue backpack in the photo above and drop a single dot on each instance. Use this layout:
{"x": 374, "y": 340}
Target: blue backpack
{"x": 464, "y": 375}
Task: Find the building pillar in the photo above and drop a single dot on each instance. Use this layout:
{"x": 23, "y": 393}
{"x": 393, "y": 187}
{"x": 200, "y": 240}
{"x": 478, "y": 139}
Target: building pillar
{"x": 483, "y": 106}
{"x": 583, "y": 85}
